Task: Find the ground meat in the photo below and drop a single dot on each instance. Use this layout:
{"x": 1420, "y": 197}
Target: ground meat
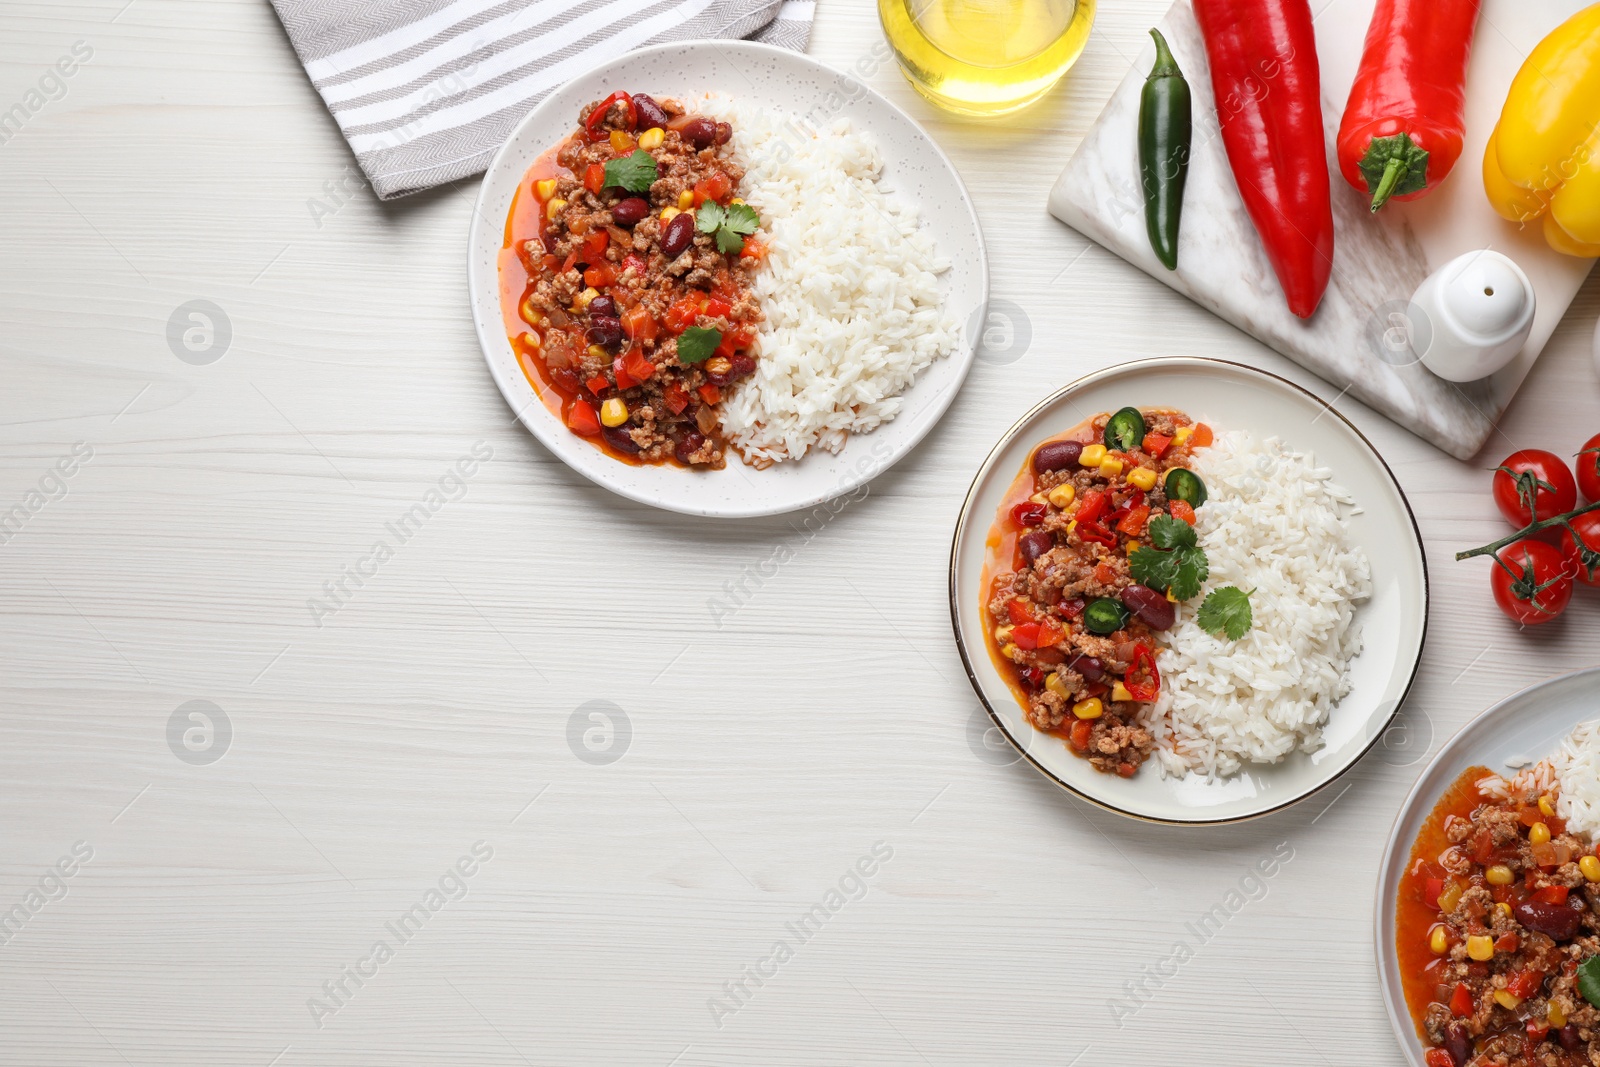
{"x": 581, "y": 253}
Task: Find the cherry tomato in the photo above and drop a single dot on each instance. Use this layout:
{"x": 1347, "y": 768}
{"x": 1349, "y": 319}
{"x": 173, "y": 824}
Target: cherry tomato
{"x": 1536, "y": 473}
{"x": 1585, "y": 565}
{"x": 1587, "y": 462}
{"x": 1532, "y": 581}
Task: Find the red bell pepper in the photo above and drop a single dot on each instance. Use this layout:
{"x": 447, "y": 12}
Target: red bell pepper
{"x": 1461, "y": 1000}
{"x": 1402, "y": 127}
{"x": 598, "y": 115}
{"x": 582, "y": 420}
{"x": 1431, "y": 888}
{"x": 1181, "y": 510}
{"x": 1019, "y": 611}
{"x": 1268, "y": 92}
{"x": 1025, "y": 635}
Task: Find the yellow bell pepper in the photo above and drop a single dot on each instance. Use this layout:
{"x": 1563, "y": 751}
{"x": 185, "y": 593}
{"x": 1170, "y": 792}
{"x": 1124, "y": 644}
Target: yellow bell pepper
{"x": 1543, "y": 160}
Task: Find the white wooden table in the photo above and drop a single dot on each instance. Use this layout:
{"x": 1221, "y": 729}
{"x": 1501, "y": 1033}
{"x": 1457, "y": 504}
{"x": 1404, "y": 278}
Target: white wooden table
{"x": 445, "y": 701}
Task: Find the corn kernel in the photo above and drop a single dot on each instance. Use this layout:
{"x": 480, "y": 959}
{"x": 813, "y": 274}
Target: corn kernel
{"x": 530, "y": 340}
{"x": 1555, "y": 1016}
{"x": 1546, "y": 806}
{"x": 545, "y": 189}
{"x": 718, "y": 365}
{"x": 1039, "y": 498}
{"x": 1439, "y": 941}
{"x": 530, "y": 313}
{"x": 1092, "y": 455}
{"x": 1451, "y": 896}
{"x": 1506, "y": 1000}
{"x": 685, "y": 200}
{"x": 1133, "y": 546}
{"x": 553, "y": 208}
{"x": 1142, "y": 478}
{"x": 1002, "y": 634}
{"x": 1110, "y": 468}
{"x": 1088, "y": 709}
{"x": 1171, "y": 598}
{"x": 736, "y": 200}
{"x": 1590, "y": 866}
{"x": 620, "y": 141}
{"x": 1505, "y": 909}
{"x": 1010, "y": 651}
{"x": 596, "y": 352}
{"x": 1538, "y": 834}
{"x": 1063, "y": 495}
{"x": 1499, "y": 874}
{"x": 1056, "y": 685}
{"x": 1480, "y": 947}
{"x": 614, "y": 412}
{"x": 1182, "y": 434}
{"x": 669, "y": 213}
{"x": 652, "y": 138}
{"x": 1120, "y": 692}
{"x": 587, "y": 296}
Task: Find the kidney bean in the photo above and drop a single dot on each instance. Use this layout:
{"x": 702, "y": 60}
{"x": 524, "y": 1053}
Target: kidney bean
{"x": 603, "y": 307}
{"x": 1553, "y": 920}
{"x": 1034, "y": 544}
{"x": 699, "y": 131}
{"x": 1092, "y": 668}
{"x": 678, "y": 236}
{"x": 630, "y": 212}
{"x": 688, "y": 445}
{"x": 724, "y": 133}
{"x": 1569, "y": 1037}
{"x": 1458, "y": 1044}
{"x": 1057, "y": 455}
{"x": 738, "y": 366}
{"x": 651, "y": 114}
{"x": 617, "y": 437}
{"x": 605, "y": 332}
{"x": 1154, "y": 608}
{"x": 549, "y": 239}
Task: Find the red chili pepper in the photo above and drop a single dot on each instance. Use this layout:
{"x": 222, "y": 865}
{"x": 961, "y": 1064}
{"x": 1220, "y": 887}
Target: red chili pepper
{"x": 598, "y": 115}
{"x": 1461, "y": 1000}
{"x": 1089, "y": 531}
{"x": 1145, "y": 689}
{"x": 1402, "y": 127}
{"x": 1268, "y": 94}
{"x": 1029, "y": 513}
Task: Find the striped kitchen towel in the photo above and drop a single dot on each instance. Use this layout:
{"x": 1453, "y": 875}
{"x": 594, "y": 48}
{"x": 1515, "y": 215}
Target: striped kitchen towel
{"x": 426, "y": 91}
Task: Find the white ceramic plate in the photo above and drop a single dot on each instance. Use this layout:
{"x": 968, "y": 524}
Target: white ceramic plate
{"x": 1527, "y": 725}
{"x": 777, "y": 79}
{"x": 1227, "y": 396}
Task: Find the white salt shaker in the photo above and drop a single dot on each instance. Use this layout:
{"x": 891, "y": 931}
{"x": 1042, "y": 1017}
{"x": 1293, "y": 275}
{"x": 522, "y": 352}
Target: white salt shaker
{"x": 1472, "y": 316}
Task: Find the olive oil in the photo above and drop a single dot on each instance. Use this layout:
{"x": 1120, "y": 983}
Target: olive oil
{"x": 985, "y": 57}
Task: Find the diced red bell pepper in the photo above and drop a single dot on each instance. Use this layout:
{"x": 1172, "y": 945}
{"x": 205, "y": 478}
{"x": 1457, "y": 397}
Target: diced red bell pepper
{"x": 676, "y": 397}
{"x": 1025, "y": 636}
{"x": 1104, "y": 573}
{"x": 1028, "y": 513}
{"x": 1080, "y": 734}
{"x": 1092, "y": 506}
{"x": 582, "y": 420}
{"x": 594, "y": 247}
{"x": 1155, "y": 443}
{"x": 753, "y": 249}
{"x": 1524, "y": 983}
{"x": 550, "y": 263}
{"x": 1073, "y": 607}
{"x": 1506, "y": 943}
{"x": 1132, "y": 524}
{"x": 598, "y": 384}
{"x": 1461, "y": 1000}
{"x": 635, "y": 264}
{"x": 1050, "y": 632}
{"x": 682, "y": 315}
{"x": 1202, "y": 436}
{"x": 572, "y": 262}
{"x": 1438, "y": 1057}
{"x": 594, "y": 177}
{"x": 714, "y": 186}
{"x": 1020, "y": 611}
{"x": 599, "y": 276}
{"x": 716, "y": 307}
{"x": 1431, "y": 888}
{"x": 710, "y": 393}
{"x": 619, "y": 371}
{"x": 1552, "y": 894}
{"x": 639, "y": 324}
{"x": 1181, "y": 510}
{"x": 638, "y": 368}
{"x": 1537, "y": 1031}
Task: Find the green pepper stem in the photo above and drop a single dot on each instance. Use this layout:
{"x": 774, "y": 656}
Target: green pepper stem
{"x": 1392, "y": 171}
{"x": 1529, "y": 530}
{"x": 1166, "y": 66}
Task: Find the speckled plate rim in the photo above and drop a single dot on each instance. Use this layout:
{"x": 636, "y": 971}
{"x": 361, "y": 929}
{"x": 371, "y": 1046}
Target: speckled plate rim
{"x": 1430, "y": 785}
{"x": 866, "y": 455}
{"x": 964, "y": 524}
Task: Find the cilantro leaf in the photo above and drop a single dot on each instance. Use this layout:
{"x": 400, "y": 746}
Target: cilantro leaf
{"x": 1226, "y": 611}
{"x": 1193, "y": 569}
{"x": 1168, "y": 532}
{"x": 635, "y": 172}
{"x": 1589, "y": 980}
{"x": 1152, "y": 568}
{"x": 727, "y": 223}
{"x": 697, "y": 343}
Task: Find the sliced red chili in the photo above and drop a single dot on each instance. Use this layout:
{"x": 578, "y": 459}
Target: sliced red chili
{"x": 1029, "y": 514}
{"x": 1090, "y": 531}
{"x": 598, "y": 115}
{"x": 1143, "y": 680}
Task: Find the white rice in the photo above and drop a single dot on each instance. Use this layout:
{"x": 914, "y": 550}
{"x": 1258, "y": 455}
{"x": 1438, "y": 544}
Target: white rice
{"x": 1274, "y": 523}
{"x": 850, "y": 289}
{"x": 1577, "y": 768}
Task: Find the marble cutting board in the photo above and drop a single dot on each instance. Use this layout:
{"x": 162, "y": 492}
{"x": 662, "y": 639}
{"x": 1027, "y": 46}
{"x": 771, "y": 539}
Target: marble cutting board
{"x": 1357, "y": 338}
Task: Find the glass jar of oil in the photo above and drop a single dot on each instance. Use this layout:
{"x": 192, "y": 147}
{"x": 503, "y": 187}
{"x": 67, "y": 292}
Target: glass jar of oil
{"x": 985, "y": 57}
